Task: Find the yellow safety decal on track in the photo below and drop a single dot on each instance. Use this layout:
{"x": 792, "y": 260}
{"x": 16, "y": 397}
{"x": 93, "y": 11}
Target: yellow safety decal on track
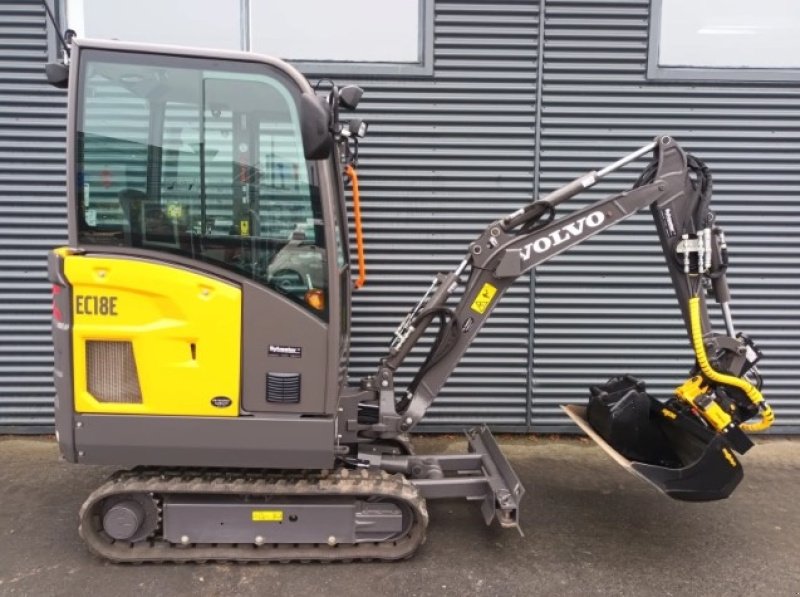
{"x": 484, "y": 299}
{"x": 267, "y": 515}
{"x": 668, "y": 413}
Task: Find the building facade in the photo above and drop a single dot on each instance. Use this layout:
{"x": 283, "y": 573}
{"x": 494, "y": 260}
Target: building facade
{"x": 484, "y": 106}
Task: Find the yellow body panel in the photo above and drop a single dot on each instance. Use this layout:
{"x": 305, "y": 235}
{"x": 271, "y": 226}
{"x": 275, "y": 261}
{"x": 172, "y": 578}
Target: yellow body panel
{"x": 185, "y": 329}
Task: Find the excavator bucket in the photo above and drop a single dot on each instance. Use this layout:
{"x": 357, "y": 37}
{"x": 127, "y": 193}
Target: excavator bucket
{"x": 658, "y": 444}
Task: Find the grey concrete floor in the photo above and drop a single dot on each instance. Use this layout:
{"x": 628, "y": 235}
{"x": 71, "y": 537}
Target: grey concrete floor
{"x": 590, "y": 529}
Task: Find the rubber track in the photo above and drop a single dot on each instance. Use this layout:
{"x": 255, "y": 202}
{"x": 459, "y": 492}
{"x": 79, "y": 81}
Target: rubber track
{"x": 343, "y": 482}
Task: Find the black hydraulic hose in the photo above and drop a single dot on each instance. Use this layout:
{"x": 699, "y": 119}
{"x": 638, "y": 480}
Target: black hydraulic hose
{"x": 442, "y": 345}
{"x": 436, "y": 353}
{"x": 531, "y": 217}
{"x": 702, "y": 185}
{"x": 647, "y": 175}
{"x": 546, "y": 213}
{"x": 704, "y": 188}
{"x": 539, "y": 215}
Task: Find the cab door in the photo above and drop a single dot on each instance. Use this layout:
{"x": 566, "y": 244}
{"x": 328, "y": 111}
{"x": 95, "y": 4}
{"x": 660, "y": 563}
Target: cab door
{"x": 198, "y": 164}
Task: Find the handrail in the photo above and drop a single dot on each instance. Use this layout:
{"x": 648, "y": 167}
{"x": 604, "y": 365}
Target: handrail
{"x": 362, "y": 262}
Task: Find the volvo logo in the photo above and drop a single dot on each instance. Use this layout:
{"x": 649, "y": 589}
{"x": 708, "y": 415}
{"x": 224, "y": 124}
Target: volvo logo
{"x": 558, "y": 237}
{"x": 221, "y": 401}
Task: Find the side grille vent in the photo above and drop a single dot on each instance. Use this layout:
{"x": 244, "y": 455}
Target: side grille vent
{"x": 111, "y": 372}
{"x": 283, "y": 388}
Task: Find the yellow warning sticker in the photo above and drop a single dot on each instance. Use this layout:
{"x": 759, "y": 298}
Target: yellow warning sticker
{"x": 174, "y": 211}
{"x": 267, "y": 515}
{"x": 484, "y": 298}
{"x": 244, "y": 228}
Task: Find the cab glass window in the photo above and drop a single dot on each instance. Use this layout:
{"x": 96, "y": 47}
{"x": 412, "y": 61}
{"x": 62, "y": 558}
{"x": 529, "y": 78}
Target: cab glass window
{"x": 201, "y": 161}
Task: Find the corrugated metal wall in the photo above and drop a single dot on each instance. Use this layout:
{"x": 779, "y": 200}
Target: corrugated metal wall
{"x": 32, "y": 216}
{"x": 606, "y": 306}
{"x": 446, "y": 155}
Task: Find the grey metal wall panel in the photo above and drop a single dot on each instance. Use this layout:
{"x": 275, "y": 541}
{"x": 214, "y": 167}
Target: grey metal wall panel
{"x": 606, "y": 307}
{"x": 445, "y": 155}
{"x": 32, "y": 216}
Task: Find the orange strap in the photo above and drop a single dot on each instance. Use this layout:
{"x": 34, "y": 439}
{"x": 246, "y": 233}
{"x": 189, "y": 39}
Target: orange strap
{"x": 362, "y": 262}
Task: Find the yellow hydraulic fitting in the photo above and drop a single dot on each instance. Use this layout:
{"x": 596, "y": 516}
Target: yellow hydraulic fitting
{"x": 752, "y": 392}
{"x": 695, "y": 392}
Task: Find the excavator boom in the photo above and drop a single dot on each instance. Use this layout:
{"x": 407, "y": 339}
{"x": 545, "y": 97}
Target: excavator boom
{"x": 676, "y": 188}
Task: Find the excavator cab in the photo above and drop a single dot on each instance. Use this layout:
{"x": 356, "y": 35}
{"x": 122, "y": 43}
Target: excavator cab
{"x": 207, "y": 259}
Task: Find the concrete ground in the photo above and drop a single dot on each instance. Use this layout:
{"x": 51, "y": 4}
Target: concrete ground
{"x": 590, "y": 529}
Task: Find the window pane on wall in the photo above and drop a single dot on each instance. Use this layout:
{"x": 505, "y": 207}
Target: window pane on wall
{"x": 730, "y": 33}
{"x": 200, "y": 23}
{"x": 321, "y": 30}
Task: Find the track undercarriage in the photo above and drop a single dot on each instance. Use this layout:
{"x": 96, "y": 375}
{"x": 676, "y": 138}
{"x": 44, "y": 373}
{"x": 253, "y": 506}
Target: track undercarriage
{"x": 375, "y": 512}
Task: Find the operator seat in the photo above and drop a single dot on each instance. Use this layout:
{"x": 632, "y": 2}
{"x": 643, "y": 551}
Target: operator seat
{"x": 144, "y": 220}
{"x": 131, "y": 200}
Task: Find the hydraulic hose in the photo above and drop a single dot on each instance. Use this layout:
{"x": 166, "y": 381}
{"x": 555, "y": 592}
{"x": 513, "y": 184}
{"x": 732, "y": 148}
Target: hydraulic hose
{"x": 767, "y": 416}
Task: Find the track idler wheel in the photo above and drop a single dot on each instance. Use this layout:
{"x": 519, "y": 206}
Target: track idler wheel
{"x": 131, "y": 517}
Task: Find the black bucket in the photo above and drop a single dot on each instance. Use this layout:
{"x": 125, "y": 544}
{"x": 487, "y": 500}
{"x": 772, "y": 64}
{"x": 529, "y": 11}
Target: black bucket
{"x": 659, "y": 443}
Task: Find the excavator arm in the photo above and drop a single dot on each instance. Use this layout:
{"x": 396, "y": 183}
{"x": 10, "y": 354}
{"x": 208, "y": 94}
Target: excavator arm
{"x": 722, "y": 390}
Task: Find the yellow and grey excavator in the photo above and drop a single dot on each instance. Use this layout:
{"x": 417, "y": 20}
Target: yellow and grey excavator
{"x": 201, "y": 323}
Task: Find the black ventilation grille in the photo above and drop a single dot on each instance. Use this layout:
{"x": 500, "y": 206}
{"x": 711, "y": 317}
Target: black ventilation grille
{"x": 111, "y": 372}
{"x": 283, "y": 388}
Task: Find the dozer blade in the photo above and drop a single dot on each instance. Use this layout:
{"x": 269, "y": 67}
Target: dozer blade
{"x": 710, "y": 470}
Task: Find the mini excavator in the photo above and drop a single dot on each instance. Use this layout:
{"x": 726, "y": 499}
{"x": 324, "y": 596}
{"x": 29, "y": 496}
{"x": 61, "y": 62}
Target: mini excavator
{"x": 201, "y": 323}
